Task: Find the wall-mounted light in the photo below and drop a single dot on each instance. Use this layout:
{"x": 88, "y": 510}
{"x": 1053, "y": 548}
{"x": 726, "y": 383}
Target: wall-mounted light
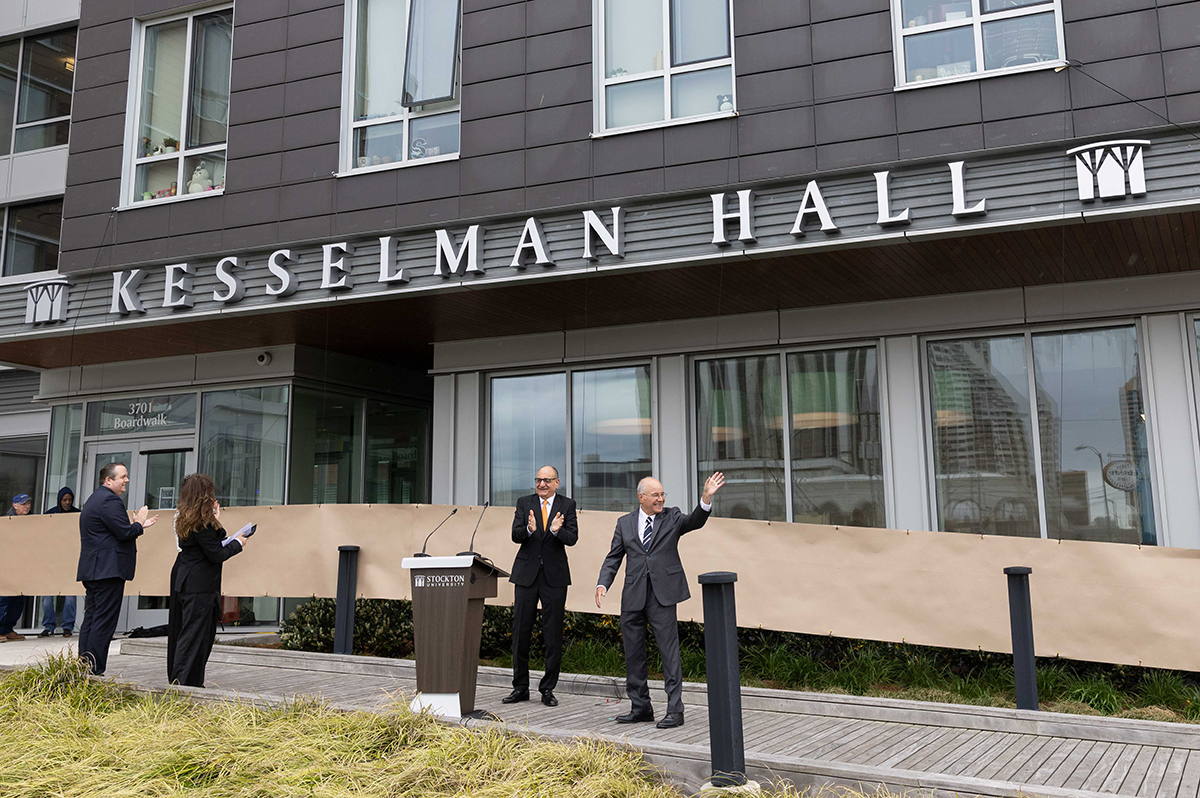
{"x": 69, "y": 63}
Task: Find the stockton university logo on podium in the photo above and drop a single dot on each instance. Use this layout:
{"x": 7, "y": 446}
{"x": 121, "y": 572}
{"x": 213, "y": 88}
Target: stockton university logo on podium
{"x": 46, "y": 301}
{"x": 418, "y": 580}
{"x": 1110, "y": 169}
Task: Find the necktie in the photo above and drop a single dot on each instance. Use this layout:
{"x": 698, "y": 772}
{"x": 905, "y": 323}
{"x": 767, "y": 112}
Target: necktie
{"x": 545, "y": 515}
{"x": 647, "y": 532}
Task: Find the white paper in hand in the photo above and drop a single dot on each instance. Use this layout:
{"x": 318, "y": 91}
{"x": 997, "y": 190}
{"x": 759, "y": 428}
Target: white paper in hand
{"x": 244, "y": 531}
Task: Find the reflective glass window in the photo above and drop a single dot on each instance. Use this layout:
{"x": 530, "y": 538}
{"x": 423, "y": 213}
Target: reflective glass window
{"x": 243, "y": 444}
{"x": 62, "y": 471}
{"x": 528, "y": 431}
{"x": 611, "y": 436}
{"x": 397, "y": 454}
{"x": 31, "y": 238}
{"x": 326, "y": 455}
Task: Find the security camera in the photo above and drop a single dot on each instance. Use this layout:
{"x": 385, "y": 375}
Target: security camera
{"x": 263, "y": 359}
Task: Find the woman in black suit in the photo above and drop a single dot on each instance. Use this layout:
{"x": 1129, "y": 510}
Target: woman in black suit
{"x": 195, "y": 606}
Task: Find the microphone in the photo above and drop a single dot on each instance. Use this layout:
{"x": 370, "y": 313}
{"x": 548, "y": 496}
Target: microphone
{"x": 471, "y": 548}
{"x": 435, "y": 529}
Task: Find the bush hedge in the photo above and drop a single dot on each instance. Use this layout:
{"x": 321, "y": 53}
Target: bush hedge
{"x": 592, "y": 644}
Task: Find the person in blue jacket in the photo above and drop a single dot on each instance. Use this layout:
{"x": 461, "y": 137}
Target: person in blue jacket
{"x": 107, "y": 559}
{"x": 64, "y": 504}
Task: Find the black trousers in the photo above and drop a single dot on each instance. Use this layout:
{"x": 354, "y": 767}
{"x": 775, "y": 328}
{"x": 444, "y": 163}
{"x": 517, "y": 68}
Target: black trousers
{"x": 525, "y": 604}
{"x": 191, "y": 629}
{"x": 662, "y": 620}
{"x": 101, "y": 609}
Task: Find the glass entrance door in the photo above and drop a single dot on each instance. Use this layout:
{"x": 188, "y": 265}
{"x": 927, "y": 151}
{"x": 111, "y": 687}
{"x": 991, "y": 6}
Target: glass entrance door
{"x": 156, "y": 470}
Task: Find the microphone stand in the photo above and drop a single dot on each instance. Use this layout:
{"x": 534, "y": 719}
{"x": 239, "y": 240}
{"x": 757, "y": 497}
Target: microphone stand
{"x": 435, "y": 529}
{"x": 470, "y": 552}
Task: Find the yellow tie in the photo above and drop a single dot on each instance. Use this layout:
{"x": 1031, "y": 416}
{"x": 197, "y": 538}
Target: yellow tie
{"x": 545, "y": 514}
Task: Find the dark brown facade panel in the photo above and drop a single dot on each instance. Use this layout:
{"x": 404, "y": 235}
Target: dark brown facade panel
{"x": 304, "y": 200}
{"x": 493, "y": 25}
{"x": 1089, "y": 9}
{"x": 629, "y": 152}
{"x": 853, "y": 77}
{"x": 257, "y": 38}
{"x": 1181, "y": 69}
{"x": 250, "y": 207}
{"x": 91, "y": 198}
{"x": 558, "y": 162}
{"x": 1183, "y": 108}
{"x": 147, "y": 8}
{"x": 765, "y": 15}
{"x": 857, "y": 154}
{"x": 309, "y": 130}
{"x": 770, "y": 91}
{"x": 315, "y": 60}
{"x": 557, "y": 195}
{"x": 304, "y": 6}
{"x": 308, "y": 163}
{"x": 1120, "y": 118}
{"x": 1024, "y": 95}
{"x": 488, "y": 136}
{"x": 112, "y": 37}
{"x": 87, "y": 228}
{"x": 369, "y": 190}
{"x": 1028, "y": 130}
{"x": 855, "y": 36}
{"x": 102, "y": 70}
{"x": 235, "y": 239}
{"x": 368, "y": 220}
{"x": 255, "y": 138}
{"x": 559, "y": 87}
{"x": 824, "y": 10}
{"x": 259, "y": 11}
{"x": 867, "y": 117}
{"x": 142, "y": 251}
{"x": 428, "y": 182}
{"x": 94, "y": 166}
{"x": 1179, "y": 25}
{"x": 493, "y": 61}
{"x": 558, "y": 124}
{"x": 949, "y": 142}
{"x": 313, "y": 94}
{"x": 493, "y": 98}
{"x": 256, "y": 105}
{"x": 427, "y": 212}
{"x": 494, "y": 203}
{"x": 1115, "y": 37}
{"x": 258, "y": 71}
{"x": 628, "y": 185}
{"x": 93, "y": 14}
{"x": 779, "y": 130}
{"x": 313, "y": 228}
{"x": 1138, "y": 77}
{"x": 101, "y": 101}
{"x": 933, "y": 107}
{"x": 558, "y": 50}
{"x": 549, "y": 16}
{"x": 702, "y": 175}
{"x": 777, "y": 165}
{"x": 197, "y": 216}
{"x": 140, "y": 224}
{"x": 489, "y": 173}
{"x": 713, "y": 140}
{"x": 772, "y": 50}
{"x": 323, "y": 25}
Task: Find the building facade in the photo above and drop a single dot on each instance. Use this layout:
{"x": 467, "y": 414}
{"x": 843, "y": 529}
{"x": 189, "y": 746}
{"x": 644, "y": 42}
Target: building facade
{"x": 891, "y": 264}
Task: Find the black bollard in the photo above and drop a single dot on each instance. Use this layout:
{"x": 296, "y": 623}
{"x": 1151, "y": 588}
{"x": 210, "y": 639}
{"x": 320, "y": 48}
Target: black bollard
{"x": 347, "y": 589}
{"x": 724, "y": 680}
{"x": 1020, "y": 611}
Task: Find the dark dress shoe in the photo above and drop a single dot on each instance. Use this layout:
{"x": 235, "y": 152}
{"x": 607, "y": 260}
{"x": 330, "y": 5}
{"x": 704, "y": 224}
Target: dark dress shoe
{"x": 548, "y": 699}
{"x": 635, "y": 717}
{"x": 515, "y": 696}
{"x": 66, "y": 632}
{"x": 47, "y": 633}
{"x": 671, "y": 720}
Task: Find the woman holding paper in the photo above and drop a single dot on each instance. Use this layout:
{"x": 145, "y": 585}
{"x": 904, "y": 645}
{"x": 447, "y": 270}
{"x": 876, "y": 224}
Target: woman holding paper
{"x": 195, "y": 605}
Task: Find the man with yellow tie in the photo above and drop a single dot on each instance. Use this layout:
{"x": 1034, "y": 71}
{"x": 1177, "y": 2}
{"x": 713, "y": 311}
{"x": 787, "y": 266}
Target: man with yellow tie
{"x": 544, "y": 525}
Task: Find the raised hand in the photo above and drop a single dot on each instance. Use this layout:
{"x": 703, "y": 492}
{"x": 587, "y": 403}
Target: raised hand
{"x": 712, "y": 485}
{"x": 532, "y": 525}
{"x": 149, "y": 522}
{"x": 557, "y": 523}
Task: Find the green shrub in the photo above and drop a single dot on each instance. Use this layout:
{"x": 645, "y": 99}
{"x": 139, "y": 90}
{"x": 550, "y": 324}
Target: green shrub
{"x": 382, "y": 628}
{"x": 1098, "y": 694}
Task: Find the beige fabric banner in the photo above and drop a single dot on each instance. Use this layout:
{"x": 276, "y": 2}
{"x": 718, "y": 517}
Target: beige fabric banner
{"x": 1093, "y": 601}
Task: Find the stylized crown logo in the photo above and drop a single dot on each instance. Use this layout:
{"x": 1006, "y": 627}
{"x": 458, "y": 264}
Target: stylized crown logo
{"x": 46, "y": 301}
{"x": 1110, "y": 169}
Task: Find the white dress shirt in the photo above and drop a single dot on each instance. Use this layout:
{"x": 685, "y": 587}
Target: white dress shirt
{"x": 548, "y": 503}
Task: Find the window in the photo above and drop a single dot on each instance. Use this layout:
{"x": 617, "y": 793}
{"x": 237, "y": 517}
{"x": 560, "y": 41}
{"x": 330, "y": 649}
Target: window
{"x": 326, "y": 452}
{"x": 943, "y": 41}
{"x": 1084, "y": 432}
{"x": 604, "y": 456}
{"x": 181, "y": 107}
{"x": 404, "y": 80}
{"x": 397, "y": 453}
{"x": 66, "y": 427}
{"x": 807, "y": 450}
{"x": 663, "y": 60}
{"x": 36, "y": 78}
{"x": 243, "y": 440}
{"x": 31, "y": 234}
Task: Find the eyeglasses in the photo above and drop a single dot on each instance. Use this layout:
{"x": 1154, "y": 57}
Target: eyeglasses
{"x": 540, "y": 480}
{"x": 654, "y": 495}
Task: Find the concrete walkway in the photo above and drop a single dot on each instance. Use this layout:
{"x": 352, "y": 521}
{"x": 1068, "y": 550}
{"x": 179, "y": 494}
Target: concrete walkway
{"x": 809, "y": 739}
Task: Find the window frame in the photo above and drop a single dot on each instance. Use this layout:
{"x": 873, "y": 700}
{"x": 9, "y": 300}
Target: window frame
{"x": 1027, "y": 332}
{"x": 31, "y": 277}
{"x": 667, "y": 73}
{"x": 566, "y": 474}
{"x": 349, "y": 125}
{"x": 786, "y": 397}
{"x": 976, "y": 23}
{"x": 133, "y": 114}
{"x": 17, "y": 96}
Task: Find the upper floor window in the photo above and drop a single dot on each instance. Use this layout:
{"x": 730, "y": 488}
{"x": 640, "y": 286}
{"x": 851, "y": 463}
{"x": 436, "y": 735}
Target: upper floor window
{"x": 31, "y": 234}
{"x": 181, "y": 106}
{"x": 949, "y": 40}
{"x": 404, "y": 79}
{"x": 663, "y": 60}
{"x": 36, "y": 78}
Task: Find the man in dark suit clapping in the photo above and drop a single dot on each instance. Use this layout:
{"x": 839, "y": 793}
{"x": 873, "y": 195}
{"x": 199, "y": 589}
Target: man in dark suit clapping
{"x": 107, "y": 558}
{"x": 648, "y": 541}
{"x": 544, "y": 525}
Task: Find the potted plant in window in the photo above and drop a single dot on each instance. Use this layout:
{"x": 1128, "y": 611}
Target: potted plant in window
{"x": 146, "y": 146}
{"x": 170, "y": 144}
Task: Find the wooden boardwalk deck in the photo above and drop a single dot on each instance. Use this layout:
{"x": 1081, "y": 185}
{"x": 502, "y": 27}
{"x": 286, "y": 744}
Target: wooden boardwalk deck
{"x": 810, "y": 739}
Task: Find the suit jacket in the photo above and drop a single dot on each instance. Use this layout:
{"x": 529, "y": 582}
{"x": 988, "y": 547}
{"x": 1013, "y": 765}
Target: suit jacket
{"x": 198, "y": 564}
{"x": 660, "y": 564}
{"x": 107, "y": 547}
{"x": 542, "y": 548}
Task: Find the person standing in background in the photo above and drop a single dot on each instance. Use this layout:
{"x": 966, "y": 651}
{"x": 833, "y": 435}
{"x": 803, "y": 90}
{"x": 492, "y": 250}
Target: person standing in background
{"x": 11, "y": 607}
{"x": 65, "y": 504}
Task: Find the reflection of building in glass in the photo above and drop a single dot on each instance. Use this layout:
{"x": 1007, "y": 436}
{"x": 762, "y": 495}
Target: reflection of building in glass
{"x": 609, "y": 484}
{"x": 1133, "y": 422}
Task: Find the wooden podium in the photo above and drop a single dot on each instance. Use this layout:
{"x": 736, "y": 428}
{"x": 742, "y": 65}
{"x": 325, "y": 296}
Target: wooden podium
{"x": 447, "y": 606}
